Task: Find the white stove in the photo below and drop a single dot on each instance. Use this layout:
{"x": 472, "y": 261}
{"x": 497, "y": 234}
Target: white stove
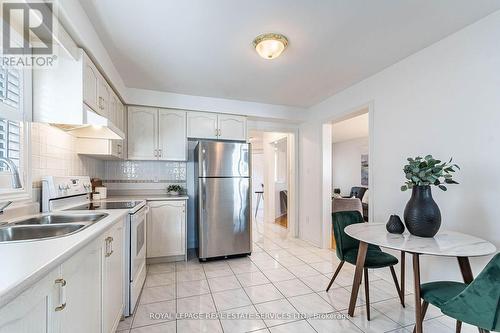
{"x": 73, "y": 194}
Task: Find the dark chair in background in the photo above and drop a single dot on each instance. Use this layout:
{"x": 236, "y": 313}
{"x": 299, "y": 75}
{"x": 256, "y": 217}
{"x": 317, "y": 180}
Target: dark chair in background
{"x": 347, "y": 250}
{"x": 357, "y": 192}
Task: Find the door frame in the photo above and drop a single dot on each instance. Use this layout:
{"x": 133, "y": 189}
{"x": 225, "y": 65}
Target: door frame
{"x": 326, "y": 210}
{"x": 293, "y": 186}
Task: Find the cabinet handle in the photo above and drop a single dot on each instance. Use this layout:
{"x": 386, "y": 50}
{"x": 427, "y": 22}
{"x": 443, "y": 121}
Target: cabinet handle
{"x": 160, "y": 152}
{"x": 109, "y": 246}
{"x": 155, "y": 153}
{"x": 216, "y": 132}
{"x": 220, "y": 133}
{"x": 62, "y": 294}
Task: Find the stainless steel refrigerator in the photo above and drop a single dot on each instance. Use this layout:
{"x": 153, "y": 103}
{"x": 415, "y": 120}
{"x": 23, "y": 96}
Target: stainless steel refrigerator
{"x": 222, "y": 180}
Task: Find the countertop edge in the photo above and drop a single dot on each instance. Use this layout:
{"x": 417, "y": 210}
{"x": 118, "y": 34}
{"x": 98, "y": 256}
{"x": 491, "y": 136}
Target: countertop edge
{"x": 16, "y": 289}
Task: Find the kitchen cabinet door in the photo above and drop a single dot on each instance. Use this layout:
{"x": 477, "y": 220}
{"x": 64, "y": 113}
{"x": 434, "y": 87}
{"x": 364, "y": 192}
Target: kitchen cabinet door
{"x": 112, "y": 278}
{"x": 104, "y": 94}
{"x": 142, "y": 133}
{"x": 113, "y": 109}
{"x": 91, "y": 79}
{"x": 202, "y": 125}
{"x": 166, "y": 230}
{"x": 82, "y": 276}
{"x": 232, "y": 127}
{"x": 34, "y": 310}
{"x": 172, "y": 139}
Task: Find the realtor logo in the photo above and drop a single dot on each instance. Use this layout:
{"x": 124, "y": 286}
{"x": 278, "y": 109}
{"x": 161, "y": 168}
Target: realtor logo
{"x": 27, "y": 34}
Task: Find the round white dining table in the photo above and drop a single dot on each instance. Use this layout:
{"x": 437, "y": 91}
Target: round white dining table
{"x": 445, "y": 243}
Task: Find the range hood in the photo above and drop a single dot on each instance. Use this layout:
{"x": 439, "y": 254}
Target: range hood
{"x": 94, "y": 126}
{"x": 58, "y": 94}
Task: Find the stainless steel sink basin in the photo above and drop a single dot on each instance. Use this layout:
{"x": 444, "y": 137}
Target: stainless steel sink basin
{"x": 61, "y": 219}
{"x": 32, "y": 232}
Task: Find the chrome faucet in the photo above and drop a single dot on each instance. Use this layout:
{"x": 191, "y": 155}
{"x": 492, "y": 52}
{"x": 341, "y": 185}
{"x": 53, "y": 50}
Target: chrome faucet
{"x": 4, "y": 205}
{"x": 16, "y": 181}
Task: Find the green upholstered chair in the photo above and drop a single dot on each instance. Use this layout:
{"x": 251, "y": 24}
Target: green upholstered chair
{"x": 347, "y": 251}
{"x": 477, "y": 304}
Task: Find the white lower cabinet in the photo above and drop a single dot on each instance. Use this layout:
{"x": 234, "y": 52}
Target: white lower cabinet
{"x": 33, "y": 310}
{"x": 112, "y": 278}
{"x": 80, "y": 291}
{"x": 166, "y": 230}
{"x": 84, "y": 294}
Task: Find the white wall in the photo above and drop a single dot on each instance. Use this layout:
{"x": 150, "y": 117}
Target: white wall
{"x": 443, "y": 100}
{"x": 346, "y": 163}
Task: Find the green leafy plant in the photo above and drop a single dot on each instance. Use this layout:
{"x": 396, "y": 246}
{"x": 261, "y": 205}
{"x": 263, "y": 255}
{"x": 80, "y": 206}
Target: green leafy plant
{"x": 174, "y": 188}
{"x": 428, "y": 171}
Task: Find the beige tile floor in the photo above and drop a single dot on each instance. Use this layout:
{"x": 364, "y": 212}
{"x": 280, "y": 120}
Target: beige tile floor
{"x": 283, "y": 276}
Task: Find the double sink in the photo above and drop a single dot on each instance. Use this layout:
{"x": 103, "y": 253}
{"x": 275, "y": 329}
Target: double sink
{"x": 47, "y": 226}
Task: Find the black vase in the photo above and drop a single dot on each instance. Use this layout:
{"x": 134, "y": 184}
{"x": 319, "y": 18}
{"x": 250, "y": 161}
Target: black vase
{"x": 422, "y": 216}
{"x": 395, "y": 225}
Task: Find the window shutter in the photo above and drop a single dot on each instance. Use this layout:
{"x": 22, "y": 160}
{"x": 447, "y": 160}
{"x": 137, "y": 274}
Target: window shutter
{"x": 11, "y": 93}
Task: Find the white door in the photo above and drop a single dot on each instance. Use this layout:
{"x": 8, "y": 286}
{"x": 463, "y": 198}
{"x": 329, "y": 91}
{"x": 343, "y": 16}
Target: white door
{"x": 112, "y": 278}
{"x": 172, "y": 139}
{"x": 202, "y": 125}
{"x": 142, "y": 133}
{"x": 90, "y": 84}
{"x": 232, "y": 127}
{"x": 82, "y": 274}
{"x": 34, "y": 310}
{"x": 166, "y": 229}
{"x": 103, "y": 97}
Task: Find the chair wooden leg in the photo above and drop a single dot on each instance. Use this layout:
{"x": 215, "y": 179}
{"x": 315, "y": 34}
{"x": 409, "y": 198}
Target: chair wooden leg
{"x": 400, "y": 293}
{"x": 458, "y": 327}
{"x": 425, "y": 305}
{"x": 367, "y": 295}
{"x": 335, "y": 275}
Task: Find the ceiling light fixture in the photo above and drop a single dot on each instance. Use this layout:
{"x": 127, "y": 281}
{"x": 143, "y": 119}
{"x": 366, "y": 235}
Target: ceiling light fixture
{"x": 270, "y": 45}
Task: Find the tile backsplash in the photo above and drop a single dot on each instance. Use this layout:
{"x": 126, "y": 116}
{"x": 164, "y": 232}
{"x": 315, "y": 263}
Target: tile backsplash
{"x": 54, "y": 154}
{"x": 145, "y": 172}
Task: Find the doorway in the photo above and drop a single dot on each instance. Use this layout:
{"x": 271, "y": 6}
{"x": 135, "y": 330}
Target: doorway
{"x": 273, "y": 183}
{"x": 346, "y": 173}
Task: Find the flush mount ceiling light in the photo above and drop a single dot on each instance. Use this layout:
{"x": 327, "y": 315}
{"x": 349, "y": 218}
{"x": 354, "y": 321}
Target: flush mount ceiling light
{"x": 270, "y": 45}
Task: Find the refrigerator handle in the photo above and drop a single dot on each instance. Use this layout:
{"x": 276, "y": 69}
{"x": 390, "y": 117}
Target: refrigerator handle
{"x": 204, "y": 197}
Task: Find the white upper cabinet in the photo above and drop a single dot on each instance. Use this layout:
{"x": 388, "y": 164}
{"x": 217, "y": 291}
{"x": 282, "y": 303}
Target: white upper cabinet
{"x": 142, "y": 133}
{"x": 232, "y": 127}
{"x": 202, "y": 125}
{"x": 156, "y": 134}
{"x": 103, "y": 91}
{"x": 172, "y": 140}
{"x": 91, "y": 78}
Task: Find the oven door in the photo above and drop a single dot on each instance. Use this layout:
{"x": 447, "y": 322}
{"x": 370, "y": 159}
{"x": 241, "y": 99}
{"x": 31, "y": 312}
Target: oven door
{"x": 137, "y": 254}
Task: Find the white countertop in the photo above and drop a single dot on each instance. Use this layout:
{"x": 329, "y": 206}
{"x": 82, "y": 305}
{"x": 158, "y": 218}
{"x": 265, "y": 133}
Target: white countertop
{"x": 24, "y": 263}
{"x": 445, "y": 243}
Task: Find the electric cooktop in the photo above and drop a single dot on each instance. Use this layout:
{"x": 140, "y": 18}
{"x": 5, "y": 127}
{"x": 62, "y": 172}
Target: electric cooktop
{"x": 107, "y": 205}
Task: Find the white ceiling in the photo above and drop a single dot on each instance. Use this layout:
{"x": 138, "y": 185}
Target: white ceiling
{"x": 203, "y": 48}
{"x": 350, "y": 129}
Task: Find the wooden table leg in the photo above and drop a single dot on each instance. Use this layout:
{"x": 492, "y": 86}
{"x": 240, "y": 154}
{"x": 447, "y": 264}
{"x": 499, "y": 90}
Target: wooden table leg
{"x": 465, "y": 268}
{"x": 418, "y": 304}
{"x": 360, "y": 262}
{"x": 403, "y": 267}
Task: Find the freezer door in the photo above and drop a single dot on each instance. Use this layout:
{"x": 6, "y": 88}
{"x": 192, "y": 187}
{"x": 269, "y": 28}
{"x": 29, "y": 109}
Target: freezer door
{"x": 223, "y": 159}
{"x": 224, "y": 217}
